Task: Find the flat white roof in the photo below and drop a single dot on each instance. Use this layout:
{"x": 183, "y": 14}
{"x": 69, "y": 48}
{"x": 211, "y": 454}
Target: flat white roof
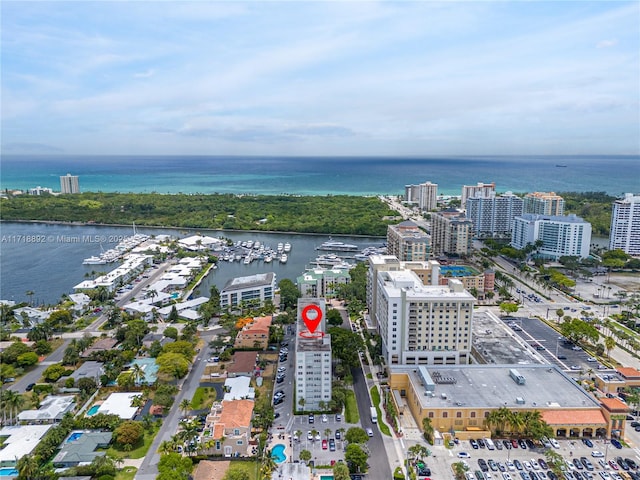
{"x": 53, "y": 407}
{"x": 22, "y": 440}
{"x": 238, "y": 388}
{"x": 120, "y": 404}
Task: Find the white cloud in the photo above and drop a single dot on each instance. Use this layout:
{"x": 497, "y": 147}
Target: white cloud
{"x": 606, "y": 44}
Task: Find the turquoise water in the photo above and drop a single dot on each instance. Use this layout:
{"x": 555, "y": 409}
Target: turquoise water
{"x": 77, "y": 435}
{"x": 8, "y": 472}
{"x": 456, "y": 271}
{"x": 175, "y": 295}
{"x": 93, "y": 410}
{"x": 326, "y": 477}
{"x": 277, "y": 453}
{"x": 322, "y": 175}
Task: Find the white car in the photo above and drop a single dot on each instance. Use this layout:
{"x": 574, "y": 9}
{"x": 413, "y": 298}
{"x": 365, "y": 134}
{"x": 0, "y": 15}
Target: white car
{"x": 510, "y": 465}
{"x": 324, "y": 419}
{"x": 506, "y": 476}
{"x": 534, "y": 464}
{"x": 554, "y": 443}
{"x": 310, "y": 436}
{"x": 605, "y": 475}
{"x": 527, "y": 465}
{"x": 597, "y": 454}
{"x": 542, "y": 475}
{"x": 463, "y": 455}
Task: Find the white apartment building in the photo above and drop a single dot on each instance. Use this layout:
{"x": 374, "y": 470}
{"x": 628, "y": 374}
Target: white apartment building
{"x": 69, "y": 184}
{"x": 625, "y": 225}
{"x": 408, "y": 242}
{"x": 428, "y": 272}
{"x": 479, "y": 190}
{"x": 424, "y": 195}
{"x": 451, "y": 233}
{"x": 423, "y": 325}
{"x": 322, "y": 282}
{"x": 312, "y": 362}
{"x": 493, "y": 216}
{"x": 543, "y": 203}
{"x": 560, "y": 235}
{"x": 255, "y": 289}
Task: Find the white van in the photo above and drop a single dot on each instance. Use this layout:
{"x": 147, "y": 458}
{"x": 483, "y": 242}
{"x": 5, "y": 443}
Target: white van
{"x": 489, "y": 443}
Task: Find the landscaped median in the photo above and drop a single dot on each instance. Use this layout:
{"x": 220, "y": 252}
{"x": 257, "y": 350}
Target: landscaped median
{"x": 375, "y": 398}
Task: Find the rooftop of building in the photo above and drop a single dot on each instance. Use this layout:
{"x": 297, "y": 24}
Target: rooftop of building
{"x": 614, "y": 405}
{"x": 243, "y": 362}
{"x": 491, "y": 386}
{"x": 238, "y": 388}
{"x": 119, "y": 404}
{"x": 51, "y": 408}
{"x": 236, "y": 413}
{"x": 498, "y": 344}
{"x": 407, "y": 281}
{"x": 319, "y": 344}
{"x": 629, "y": 372}
{"x": 106, "y": 343}
{"x": 574, "y": 417}
{"x": 88, "y": 369}
{"x": 21, "y": 441}
{"x": 257, "y": 280}
{"x": 571, "y": 218}
{"x": 80, "y": 446}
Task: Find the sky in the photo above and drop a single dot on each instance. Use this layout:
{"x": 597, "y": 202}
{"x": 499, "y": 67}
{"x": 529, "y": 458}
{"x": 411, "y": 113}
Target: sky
{"x": 320, "y": 78}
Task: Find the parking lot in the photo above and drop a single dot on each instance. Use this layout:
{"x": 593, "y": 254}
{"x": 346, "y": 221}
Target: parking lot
{"x": 546, "y": 342}
{"x": 524, "y": 464}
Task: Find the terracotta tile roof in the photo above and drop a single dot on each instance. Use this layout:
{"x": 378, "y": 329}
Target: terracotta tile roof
{"x": 208, "y": 470}
{"x": 156, "y": 410}
{"x": 236, "y": 413}
{"x": 243, "y": 362}
{"x": 613, "y": 404}
{"x": 573, "y": 417}
{"x": 628, "y": 372}
{"x": 218, "y": 431}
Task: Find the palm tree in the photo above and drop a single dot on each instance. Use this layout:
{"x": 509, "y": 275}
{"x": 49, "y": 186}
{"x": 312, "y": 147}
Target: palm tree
{"x": 29, "y": 467}
{"x": 327, "y": 432}
{"x": 305, "y": 455}
{"x": 301, "y": 402}
{"x": 427, "y": 429}
{"x": 167, "y": 446}
{"x": 268, "y": 465}
{"x": 137, "y": 373}
{"x": 185, "y": 406}
{"x": 460, "y": 469}
{"x": 609, "y": 344}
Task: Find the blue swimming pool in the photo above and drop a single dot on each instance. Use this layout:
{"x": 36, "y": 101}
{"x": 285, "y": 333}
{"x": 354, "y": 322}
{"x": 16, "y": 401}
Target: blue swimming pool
{"x": 74, "y": 436}
{"x": 8, "y": 472}
{"x": 277, "y": 453}
{"x": 93, "y": 410}
{"x": 326, "y": 477}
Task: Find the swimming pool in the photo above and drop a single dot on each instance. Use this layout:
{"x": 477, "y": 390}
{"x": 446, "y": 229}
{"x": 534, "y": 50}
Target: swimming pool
{"x": 8, "y": 472}
{"x": 93, "y": 410}
{"x": 74, "y": 436}
{"x": 277, "y": 453}
{"x": 326, "y": 477}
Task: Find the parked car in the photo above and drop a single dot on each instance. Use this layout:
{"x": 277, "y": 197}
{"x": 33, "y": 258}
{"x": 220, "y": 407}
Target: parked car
{"x": 587, "y": 442}
{"x": 463, "y": 455}
{"x": 474, "y": 444}
{"x": 30, "y": 387}
{"x": 369, "y": 432}
{"x": 311, "y": 418}
{"x": 332, "y": 445}
{"x": 616, "y": 443}
{"x": 325, "y": 444}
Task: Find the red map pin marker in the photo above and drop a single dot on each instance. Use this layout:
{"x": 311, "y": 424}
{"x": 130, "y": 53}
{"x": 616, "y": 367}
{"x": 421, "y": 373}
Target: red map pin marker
{"x": 312, "y": 323}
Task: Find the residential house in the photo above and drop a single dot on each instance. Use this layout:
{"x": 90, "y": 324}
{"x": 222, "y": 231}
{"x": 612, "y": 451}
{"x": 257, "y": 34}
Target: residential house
{"x": 229, "y": 426}
{"x": 244, "y": 363}
{"x": 255, "y": 334}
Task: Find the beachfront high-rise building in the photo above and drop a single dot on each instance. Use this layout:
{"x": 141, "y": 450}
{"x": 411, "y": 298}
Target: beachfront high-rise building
{"x": 625, "y": 225}
{"x": 313, "y": 358}
{"x": 567, "y": 235}
{"x": 451, "y": 233}
{"x": 493, "y": 216}
{"x": 543, "y": 203}
{"x": 422, "y": 324}
{"x": 479, "y": 190}
{"x": 424, "y": 195}
{"x": 69, "y": 184}
{"x": 408, "y": 242}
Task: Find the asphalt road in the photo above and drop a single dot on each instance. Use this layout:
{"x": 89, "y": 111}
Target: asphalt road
{"x": 149, "y": 468}
{"x": 36, "y": 374}
{"x": 378, "y": 459}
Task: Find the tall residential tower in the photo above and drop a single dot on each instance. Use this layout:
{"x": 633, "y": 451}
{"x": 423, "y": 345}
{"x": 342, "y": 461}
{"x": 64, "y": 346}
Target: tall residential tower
{"x": 625, "y": 225}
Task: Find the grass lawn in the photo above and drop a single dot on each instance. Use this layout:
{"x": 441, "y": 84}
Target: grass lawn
{"x": 351, "y": 414}
{"x": 127, "y": 473}
{"x": 251, "y": 467}
{"x": 203, "y": 398}
{"x": 375, "y": 396}
{"x": 139, "y": 452}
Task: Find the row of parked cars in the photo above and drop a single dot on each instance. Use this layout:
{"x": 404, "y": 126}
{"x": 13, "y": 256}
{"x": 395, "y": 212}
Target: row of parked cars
{"x": 513, "y": 443}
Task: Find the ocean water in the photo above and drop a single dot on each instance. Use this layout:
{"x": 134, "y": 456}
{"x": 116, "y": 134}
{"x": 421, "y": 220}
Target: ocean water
{"x": 322, "y": 175}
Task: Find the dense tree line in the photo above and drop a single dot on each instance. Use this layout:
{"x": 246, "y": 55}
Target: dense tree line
{"x": 594, "y": 207}
{"x": 330, "y": 214}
